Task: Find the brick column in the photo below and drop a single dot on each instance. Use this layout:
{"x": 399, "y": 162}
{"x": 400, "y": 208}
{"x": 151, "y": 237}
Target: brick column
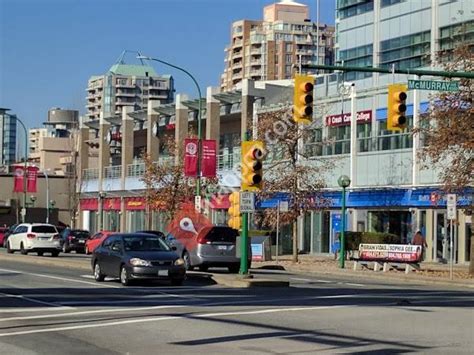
{"x": 127, "y": 142}
{"x": 181, "y": 128}
{"x": 152, "y": 142}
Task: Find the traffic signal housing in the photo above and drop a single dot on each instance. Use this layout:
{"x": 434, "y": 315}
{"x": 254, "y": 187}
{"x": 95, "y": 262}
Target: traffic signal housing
{"x": 235, "y": 221}
{"x": 303, "y": 99}
{"x": 396, "y": 107}
{"x": 252, "y": 165}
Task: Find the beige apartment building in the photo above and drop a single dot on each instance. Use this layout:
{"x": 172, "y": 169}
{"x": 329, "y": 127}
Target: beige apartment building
{"x": 275, "y": 47}
{"x": 126, "y": 85}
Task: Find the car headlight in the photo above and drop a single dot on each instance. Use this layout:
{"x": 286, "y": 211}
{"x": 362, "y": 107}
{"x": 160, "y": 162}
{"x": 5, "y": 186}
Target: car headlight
{"x": 139, "y": 262}
{"x": 179, "y": 262}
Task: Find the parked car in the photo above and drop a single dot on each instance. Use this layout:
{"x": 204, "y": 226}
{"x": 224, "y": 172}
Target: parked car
{"x": 3, "y": 230}
{"x": 137, "y": 256}
{"x": 94, "y": 241}
{"x": 157, "y": 233}
{"x": 35, "y": 237}
{"x": 74, "y": 239}
{"x": 213, "y": 246}
{"x": 7, "y": 234}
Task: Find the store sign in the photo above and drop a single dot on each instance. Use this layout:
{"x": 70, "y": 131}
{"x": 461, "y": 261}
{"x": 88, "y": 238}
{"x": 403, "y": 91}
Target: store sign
{"x": 111, "y": 204}
{"x": 135, "y": 204}
{"x": 345, "y": 118}
{"x": 89, "y": 204}
{"x": 390, "y": 252}
{"x": 209, "y": 158}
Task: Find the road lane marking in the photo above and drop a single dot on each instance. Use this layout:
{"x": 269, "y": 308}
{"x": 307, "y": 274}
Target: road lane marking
{"x": 96, "y": 311}
{"x": 61, "y": 278}
{"x": 356, "y": 285}
{"x": 157, "y": 319}
{"x": 32, "y": 300}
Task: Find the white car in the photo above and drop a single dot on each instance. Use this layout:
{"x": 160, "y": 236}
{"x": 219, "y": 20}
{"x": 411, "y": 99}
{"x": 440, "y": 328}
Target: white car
{"x": 35, "y": 237}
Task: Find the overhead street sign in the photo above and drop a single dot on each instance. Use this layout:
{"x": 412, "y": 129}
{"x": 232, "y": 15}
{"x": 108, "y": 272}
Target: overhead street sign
{"x": 433, "y": 85}
{"x": 247, "y": 201}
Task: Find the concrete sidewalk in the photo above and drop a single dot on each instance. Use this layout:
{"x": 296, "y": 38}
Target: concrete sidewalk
{"x": 431, "y": 273}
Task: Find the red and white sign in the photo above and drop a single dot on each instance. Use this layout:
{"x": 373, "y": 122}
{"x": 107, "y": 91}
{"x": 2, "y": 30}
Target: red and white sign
{"x": 345, "y": 118}
{"x": 31, "y": 178}
{"x": 191, "y": 157}
{"x": 209, "y": 158}
{"x": 111, "y": 204}
{"x": 18, "y": 182}
{"x": 89, "y": 204}
{"x": 390, "y": 252}
{"x": 135, "y": 203}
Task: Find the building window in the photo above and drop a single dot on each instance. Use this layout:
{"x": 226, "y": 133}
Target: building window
{"x": 289, "y": 47}
{"x": 349, "y": 8}
{"x": 454, "y": 36}
{"x": 385, "y": 3}
{"x": 410, "y": 51}
{"x": 359, "y": 57}
{"x": 288, "y": 58}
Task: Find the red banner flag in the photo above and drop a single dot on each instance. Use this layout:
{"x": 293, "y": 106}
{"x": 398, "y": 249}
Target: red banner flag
{"x": 191, "y": 157}
{"x": 18, "y": 175}
{"x": 209, "y": 158}
{"x": 31, "y": 178}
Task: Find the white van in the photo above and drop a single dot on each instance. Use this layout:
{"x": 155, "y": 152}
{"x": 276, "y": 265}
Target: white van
{"x": 35, "y": 237}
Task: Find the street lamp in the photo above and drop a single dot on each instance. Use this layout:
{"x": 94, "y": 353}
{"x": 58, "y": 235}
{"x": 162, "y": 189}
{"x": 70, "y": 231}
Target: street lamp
{"x": 198, "y": 182}
{"x": 344, "y": 181}
{"x": 33, "y": 200}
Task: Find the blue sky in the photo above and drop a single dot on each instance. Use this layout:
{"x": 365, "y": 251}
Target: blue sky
{"x": 49, "y": 48}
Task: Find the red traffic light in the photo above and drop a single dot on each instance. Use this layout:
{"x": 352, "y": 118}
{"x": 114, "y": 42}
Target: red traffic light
{"x": 307, "y": 87}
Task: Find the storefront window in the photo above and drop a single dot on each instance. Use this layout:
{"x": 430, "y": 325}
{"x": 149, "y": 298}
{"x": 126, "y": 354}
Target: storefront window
{"x": 112, "y": 221}
{"x": 393, "y": 222}
{"x": 135, "y": 220}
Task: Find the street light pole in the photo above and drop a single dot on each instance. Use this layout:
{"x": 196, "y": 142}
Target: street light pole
{"x": 343, "y": 182}
{"x": 198, "y": 182}
{"x": 25, "y": 175}
{"x": 47, "y": 195}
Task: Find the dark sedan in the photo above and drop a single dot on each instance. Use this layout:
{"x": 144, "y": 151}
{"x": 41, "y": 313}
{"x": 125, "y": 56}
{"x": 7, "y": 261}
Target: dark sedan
{"x": 137, "y": 256}
{"x": 74, "y": 239}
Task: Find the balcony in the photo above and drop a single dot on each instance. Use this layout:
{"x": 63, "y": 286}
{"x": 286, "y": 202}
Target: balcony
{"x": 124, "y": 85}
{"x": 113, "y": 172}
{"x": 126, "y": 94}
{"x": 90, "y": 174}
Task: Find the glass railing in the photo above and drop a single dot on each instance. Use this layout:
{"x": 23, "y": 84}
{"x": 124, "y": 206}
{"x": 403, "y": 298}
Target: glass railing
{"x": 113, "y": 172}
{"x": 90, "y": 174}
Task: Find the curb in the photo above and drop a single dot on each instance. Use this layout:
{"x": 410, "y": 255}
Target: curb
{"x": 239, "y": 282}
{"x": 388, "y": 278}
{"x": 45, "y": 260}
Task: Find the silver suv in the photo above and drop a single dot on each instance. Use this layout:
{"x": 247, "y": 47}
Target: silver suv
{"x": 212, "y": 246}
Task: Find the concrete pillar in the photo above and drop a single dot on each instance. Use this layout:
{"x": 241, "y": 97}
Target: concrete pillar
{"x": 127, "y": 142}
{"x": 247, "y": 107}
{"x": 123, "y": 216}
{"x": 152, "y": 142}
{"x": 83, "y": 163}
{"x": 213, "y": 114}
{"x": 104, "y": 149}
{"x": 181, "y": 125}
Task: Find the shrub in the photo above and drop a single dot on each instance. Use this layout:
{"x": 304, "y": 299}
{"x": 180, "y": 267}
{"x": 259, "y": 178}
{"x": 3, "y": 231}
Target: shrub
{"x": 353, "y": 239}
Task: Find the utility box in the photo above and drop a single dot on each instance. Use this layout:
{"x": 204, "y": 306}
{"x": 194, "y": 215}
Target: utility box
{"x": 261, "y": 248}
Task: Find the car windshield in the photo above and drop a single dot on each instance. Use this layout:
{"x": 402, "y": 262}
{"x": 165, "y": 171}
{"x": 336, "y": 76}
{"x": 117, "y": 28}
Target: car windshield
{"x": 43, "y": 229}
{"x": 145, "y": 243}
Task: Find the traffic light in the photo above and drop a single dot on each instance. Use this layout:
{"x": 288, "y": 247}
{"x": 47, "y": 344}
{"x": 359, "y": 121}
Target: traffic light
{"x": 303, "y": 99}
{"x": 235, "y": 221}
{"x": 396, "y": 107}
{"x": 252, "y": 165}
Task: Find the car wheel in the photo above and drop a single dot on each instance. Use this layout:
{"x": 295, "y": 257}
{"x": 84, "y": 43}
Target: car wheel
{"x": 124, "y": 278}
{"x": 40, "y": 253}
{"x": 234, "y": 269}
{"x": 203, "y": 268}
{"x": 54, "y": 254}
{"x": 9, "y": 249}
{"x": 98, "y": 275}
{"x": 23, "y": 250}
{"x": 187, "y": 261}
{"x": 177, "y": 282}
{"x": 65, "y": 248}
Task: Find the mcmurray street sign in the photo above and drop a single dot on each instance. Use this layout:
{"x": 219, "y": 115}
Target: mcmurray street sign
{"x": 433, "y": 85}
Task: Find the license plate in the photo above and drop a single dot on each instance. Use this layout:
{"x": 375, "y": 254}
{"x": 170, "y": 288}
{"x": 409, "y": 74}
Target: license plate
{"x": 82, "y": 241}
{"x": 222, "y": 247}
{"x": 162, "y": 272}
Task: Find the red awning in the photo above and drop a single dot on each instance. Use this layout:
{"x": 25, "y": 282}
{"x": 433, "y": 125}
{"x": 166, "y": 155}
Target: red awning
{"x": 135, "y": 203}
{"x": 89, "y": 204}
{"x": 112, "y": 204}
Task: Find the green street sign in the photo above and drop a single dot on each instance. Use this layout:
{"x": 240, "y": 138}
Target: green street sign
{"x": 433, "y": 85}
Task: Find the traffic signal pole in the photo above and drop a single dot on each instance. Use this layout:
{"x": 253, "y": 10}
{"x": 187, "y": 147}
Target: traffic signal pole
{"x": 244, "y": 242}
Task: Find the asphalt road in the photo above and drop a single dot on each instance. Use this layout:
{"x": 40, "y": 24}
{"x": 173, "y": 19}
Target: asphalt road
{"x": 49, "y": 310}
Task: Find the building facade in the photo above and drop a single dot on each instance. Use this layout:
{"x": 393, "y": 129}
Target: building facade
{"x": 8, "y": 131}
{"x": 126, "y": 85}
{"x": 274, "y": 48}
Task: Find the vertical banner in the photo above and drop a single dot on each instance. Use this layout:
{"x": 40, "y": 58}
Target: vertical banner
{"x": 209, "y": 158}
{"x": 18, "y": 176}
{"x": 191, "y": 157}
{"x": 31, "y": 178}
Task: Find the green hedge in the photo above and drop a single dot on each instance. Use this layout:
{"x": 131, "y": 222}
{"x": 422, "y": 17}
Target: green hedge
{"x": 353, "y": 239}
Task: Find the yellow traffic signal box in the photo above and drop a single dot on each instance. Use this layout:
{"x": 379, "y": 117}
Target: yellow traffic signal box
{"x": 235, "y": 221}
{"x": 303, "y": 99}
{"x": 252, "y": 165}
{"x": 396, "y": 107}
